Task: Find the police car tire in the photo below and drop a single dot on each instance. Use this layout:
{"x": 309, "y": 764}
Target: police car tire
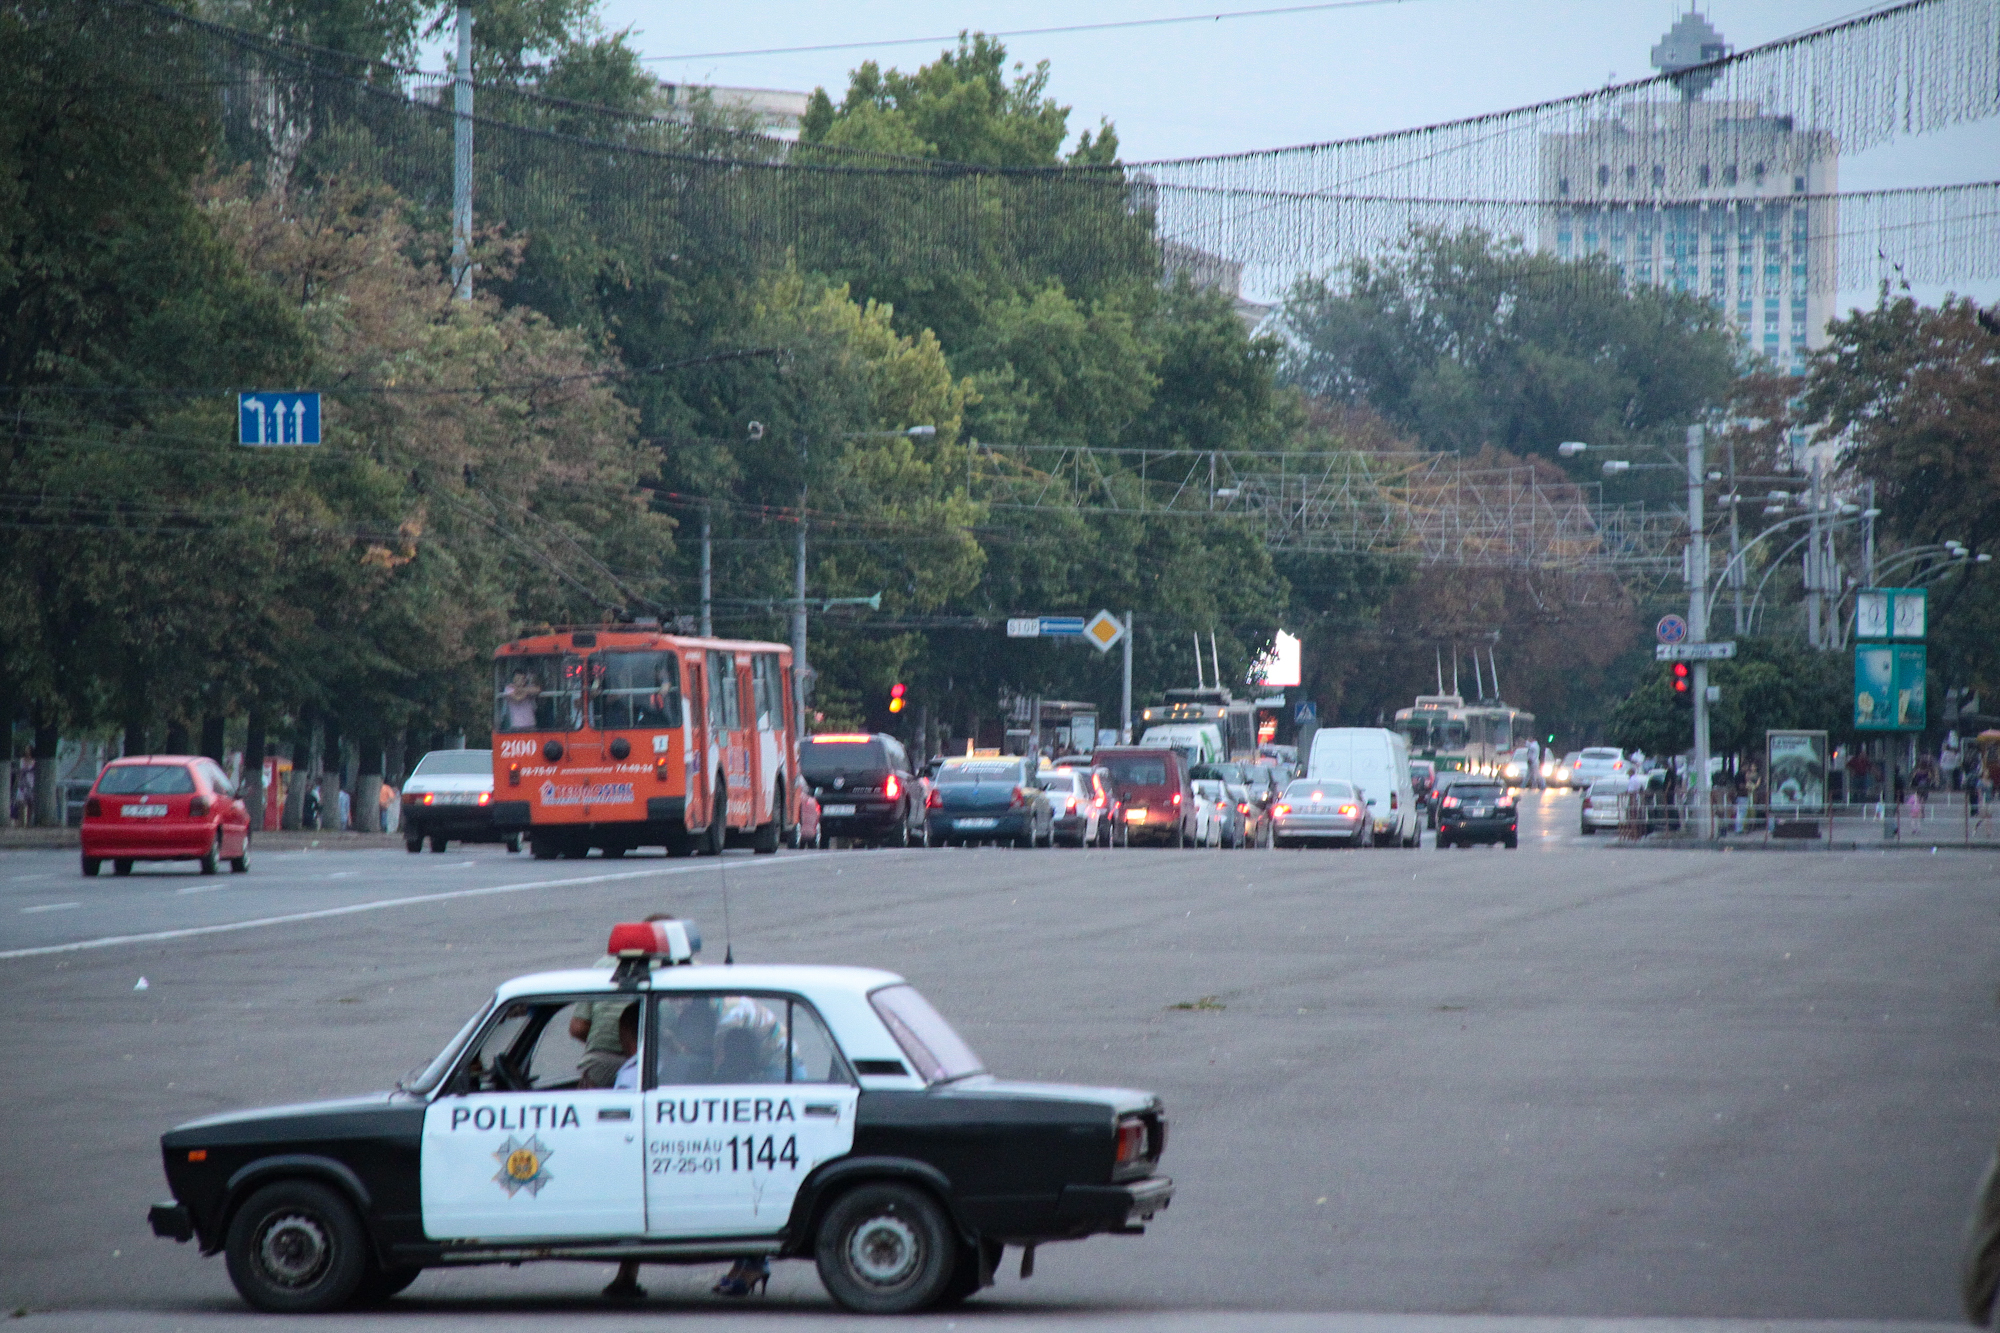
{"x": 327, "y": 1242}
{"x": 902, "y": 1233}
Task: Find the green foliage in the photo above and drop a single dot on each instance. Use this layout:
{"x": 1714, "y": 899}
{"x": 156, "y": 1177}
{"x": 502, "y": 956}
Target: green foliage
{"x": 1917, "y": 390}
{"x": 1464, "y": 341}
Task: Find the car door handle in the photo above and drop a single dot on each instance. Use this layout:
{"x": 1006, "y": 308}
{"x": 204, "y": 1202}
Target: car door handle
{"x": 614, "y": 1113}
{"x": 823, "y": 1110}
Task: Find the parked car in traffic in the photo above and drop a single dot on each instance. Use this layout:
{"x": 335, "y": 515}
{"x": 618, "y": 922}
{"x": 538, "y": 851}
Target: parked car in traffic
{"x": 1255, "y": 817}
{"x": 449, "y": 797}
{"x": 988, "y": 798}
{"x": 1480, "y": 810}
{"x": 864, "y": 786}
{"x": 1597, "y": 761}
{"x": 1441, "y": 785}
{"x": 1153, "y": 785}
{"x": 1376, "y": 762}
{"x": 1565, "y": 774}
{"x": 1603, "y": 804}
{"x": 1321, "y": 810}
{"x": 1073, "y": 804}
{"x": 1227, "y": 822}
{"x": 164, "y": 807}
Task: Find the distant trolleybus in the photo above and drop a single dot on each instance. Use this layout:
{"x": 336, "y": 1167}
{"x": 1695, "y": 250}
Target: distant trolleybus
{"x": 623, "y": 736}
{"x": 1455, "y": 735}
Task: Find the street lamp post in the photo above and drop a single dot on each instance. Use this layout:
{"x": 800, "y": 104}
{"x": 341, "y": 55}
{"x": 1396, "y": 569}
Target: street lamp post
{"x": 1697, "y": 582}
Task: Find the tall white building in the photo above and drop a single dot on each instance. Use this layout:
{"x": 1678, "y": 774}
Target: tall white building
{"x": 1714, "y": 198}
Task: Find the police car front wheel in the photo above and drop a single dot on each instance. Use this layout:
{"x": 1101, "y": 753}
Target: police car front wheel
{"x": 296, "y": 1247}
{"x": 886, "y": 1249}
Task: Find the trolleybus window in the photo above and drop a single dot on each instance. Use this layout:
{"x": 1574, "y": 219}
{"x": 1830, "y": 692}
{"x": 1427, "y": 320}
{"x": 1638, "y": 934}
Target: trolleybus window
{"x": 1435, "y": 732}
{"x": 725, "y": 711}
{"x": 637, "y": 690}
{"x": 770, "y": 690}
{"x": 537, "y": 693}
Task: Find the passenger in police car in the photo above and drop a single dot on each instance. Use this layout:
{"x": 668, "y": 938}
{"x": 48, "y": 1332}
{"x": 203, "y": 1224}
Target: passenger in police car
{"x": 628, "y": 1042}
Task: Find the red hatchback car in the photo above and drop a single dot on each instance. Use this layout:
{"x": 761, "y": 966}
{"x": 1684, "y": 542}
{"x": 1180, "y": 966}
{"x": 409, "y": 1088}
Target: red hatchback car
{"x": 165, "y": 807}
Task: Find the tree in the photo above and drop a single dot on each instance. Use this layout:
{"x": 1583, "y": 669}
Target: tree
{"x": 1916, "y": 391}
{"x": 1462, "y": 341}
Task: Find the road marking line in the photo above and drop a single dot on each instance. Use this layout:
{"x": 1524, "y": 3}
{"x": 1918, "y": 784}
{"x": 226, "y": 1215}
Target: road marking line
{"x": 50, "y": 907}
{"x": 188, "y": 932}
{"x": 198, "y": 888}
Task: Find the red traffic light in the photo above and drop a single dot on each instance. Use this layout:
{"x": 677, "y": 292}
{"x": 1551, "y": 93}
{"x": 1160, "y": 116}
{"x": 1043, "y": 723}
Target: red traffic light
{"x": 1680, "y": 677}
{"x": 896, "y": 693}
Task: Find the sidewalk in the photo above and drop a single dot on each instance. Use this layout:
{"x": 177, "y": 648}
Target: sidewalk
{"x": 56, "y": 839}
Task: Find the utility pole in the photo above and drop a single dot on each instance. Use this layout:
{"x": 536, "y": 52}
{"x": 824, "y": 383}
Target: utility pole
{"x": 707, "y": 578}
{"x": 1735, "y": 539}
{"x": 1813, "y": 573}
{"x": 1697, "y": 569}
{"x": 1868, "y": 527}
{"x": 1125, "y": 709}
{"x": 461, "y": 160}
{"x": 799, "y": 667}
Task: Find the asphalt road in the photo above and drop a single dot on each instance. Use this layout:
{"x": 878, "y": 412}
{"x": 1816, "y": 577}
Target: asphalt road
{"x": 1572, "y": 1080}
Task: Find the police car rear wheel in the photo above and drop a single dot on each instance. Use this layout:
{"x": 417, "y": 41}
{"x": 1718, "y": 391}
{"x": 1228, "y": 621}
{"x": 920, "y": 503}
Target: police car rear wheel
{"x": 296, "y": 1247}
{"x": 885, "y": 1249}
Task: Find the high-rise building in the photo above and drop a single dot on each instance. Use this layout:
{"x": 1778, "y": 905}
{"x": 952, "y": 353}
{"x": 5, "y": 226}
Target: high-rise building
{"x": 1713, "y": 198}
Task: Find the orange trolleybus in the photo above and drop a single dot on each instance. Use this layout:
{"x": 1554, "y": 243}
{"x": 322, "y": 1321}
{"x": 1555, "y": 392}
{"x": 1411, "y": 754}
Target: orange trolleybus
{"x": 623, "y": 736}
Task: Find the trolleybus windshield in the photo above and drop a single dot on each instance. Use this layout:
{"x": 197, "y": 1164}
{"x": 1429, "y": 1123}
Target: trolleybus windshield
{"x": 539, "y": 693}
{"x": 636, "y": 689}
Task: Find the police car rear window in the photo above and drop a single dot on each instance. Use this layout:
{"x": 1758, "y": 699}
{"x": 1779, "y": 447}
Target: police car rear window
{"x": 938, "y": 1053}
{"x": 151, "y": 779}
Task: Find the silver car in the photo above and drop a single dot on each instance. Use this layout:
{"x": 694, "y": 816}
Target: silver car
{"x": 1320, "y": 811}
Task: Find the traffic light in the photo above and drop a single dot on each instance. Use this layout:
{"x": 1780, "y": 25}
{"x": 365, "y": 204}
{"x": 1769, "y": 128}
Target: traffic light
{"x": 1680, "y": 678}
{"x": 896, "y": 693}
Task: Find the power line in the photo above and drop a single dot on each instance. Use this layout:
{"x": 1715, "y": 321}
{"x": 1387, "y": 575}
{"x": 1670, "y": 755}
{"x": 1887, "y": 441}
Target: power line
{"x": 1274, "y": 12}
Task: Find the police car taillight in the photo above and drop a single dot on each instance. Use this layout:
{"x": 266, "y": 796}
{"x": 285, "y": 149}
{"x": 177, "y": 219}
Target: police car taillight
{"x": 637, "y": 945}
{"x": 1131, "y": 1140}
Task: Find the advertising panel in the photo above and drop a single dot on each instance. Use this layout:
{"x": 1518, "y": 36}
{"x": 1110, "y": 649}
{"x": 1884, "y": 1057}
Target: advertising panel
{"x": 1889, "y": 683}
{"x": 1796, "y": 763}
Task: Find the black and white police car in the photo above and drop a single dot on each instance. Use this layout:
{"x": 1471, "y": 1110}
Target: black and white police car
{"x": 769, "y": 1111}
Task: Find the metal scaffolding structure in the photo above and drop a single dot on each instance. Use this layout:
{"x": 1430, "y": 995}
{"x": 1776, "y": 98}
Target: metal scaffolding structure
{"x": 1434, "y": 508}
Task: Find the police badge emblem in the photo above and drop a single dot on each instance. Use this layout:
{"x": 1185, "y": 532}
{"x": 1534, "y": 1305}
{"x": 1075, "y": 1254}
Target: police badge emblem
{"x": 523, "y": 1165}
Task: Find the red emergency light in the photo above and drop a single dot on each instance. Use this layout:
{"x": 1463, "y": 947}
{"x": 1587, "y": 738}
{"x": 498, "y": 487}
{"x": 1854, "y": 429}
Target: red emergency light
{"x": 639, "y": 945}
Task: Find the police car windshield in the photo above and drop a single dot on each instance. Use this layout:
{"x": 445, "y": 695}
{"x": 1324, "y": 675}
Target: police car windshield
{"x": 428, "y": 1077}
{"x": 455, "y": 763}
{"x": 938, "y": 1053}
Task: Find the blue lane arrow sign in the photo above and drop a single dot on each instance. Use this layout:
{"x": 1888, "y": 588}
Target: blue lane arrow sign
{"x": 277, "y": 418}
{"x": 1061, "y": 626}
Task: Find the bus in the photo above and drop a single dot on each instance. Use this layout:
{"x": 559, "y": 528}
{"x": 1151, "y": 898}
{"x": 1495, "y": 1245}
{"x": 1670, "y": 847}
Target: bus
{"x": 623, "y": 736}
{"x": 1232, "y": 721}
{"x": 1456, "y": 736}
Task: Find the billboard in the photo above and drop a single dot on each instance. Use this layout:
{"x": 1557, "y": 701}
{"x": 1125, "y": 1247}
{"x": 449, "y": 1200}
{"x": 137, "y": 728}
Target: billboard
{"x": 1283, "y": 665}
{"x": 1796, "y": 764}
{"x": 1889, "y": 687}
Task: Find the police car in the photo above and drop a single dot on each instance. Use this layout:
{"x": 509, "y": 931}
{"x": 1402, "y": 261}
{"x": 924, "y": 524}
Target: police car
{"x": 781, "y": 1112}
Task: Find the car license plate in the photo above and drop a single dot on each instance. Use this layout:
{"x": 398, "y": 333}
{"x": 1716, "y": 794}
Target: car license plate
{"x": 978, "y": 823}
{"x": 836, "y": 810}
{"x": 142, "y": 811}
{"x": 1478, "y": 812}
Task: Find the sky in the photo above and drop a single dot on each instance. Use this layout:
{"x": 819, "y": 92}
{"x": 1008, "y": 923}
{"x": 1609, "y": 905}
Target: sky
{"x": 1219, "y": 86}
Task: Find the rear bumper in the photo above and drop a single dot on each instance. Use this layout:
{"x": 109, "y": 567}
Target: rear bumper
{"x": 867, "y": 819}
{"x": 160, "y": 841}
{"x": 969, "y": 824}
{"x": 1488, "y": 830}
{"x": 171, "y": 1220}
{"x": 1330, "y": 830}
{"x": 466, "y": 823}
{"x": 1090, "y": 1208}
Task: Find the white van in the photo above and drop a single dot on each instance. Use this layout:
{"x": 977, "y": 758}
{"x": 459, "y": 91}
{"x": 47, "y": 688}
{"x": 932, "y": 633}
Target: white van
{"x": 1196, "y": 742}
{"x": 1377, "y": 761}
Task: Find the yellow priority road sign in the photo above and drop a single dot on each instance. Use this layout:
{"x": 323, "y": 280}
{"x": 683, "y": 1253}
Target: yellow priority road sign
{"x": 1104, "y": 630}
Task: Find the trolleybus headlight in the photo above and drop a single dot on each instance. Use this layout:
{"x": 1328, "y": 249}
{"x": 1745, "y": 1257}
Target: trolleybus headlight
{"x": 620, "y": 747}
{"x": 660, "y": 771}
{"x": 513, "y": 775}
{"x": 552, "y": 750}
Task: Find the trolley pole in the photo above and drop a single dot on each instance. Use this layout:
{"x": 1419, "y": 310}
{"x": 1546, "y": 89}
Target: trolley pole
{"x": 1697, "y": 569}
{"x": 461, "y": 160}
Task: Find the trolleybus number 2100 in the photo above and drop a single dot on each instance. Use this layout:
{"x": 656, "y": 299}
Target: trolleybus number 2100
{"x": 622, "y": 736}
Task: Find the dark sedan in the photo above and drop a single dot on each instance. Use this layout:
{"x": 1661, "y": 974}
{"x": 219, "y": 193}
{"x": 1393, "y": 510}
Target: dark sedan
{"x": 1477, "y": 810}
{"x": 989, "y": 799}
